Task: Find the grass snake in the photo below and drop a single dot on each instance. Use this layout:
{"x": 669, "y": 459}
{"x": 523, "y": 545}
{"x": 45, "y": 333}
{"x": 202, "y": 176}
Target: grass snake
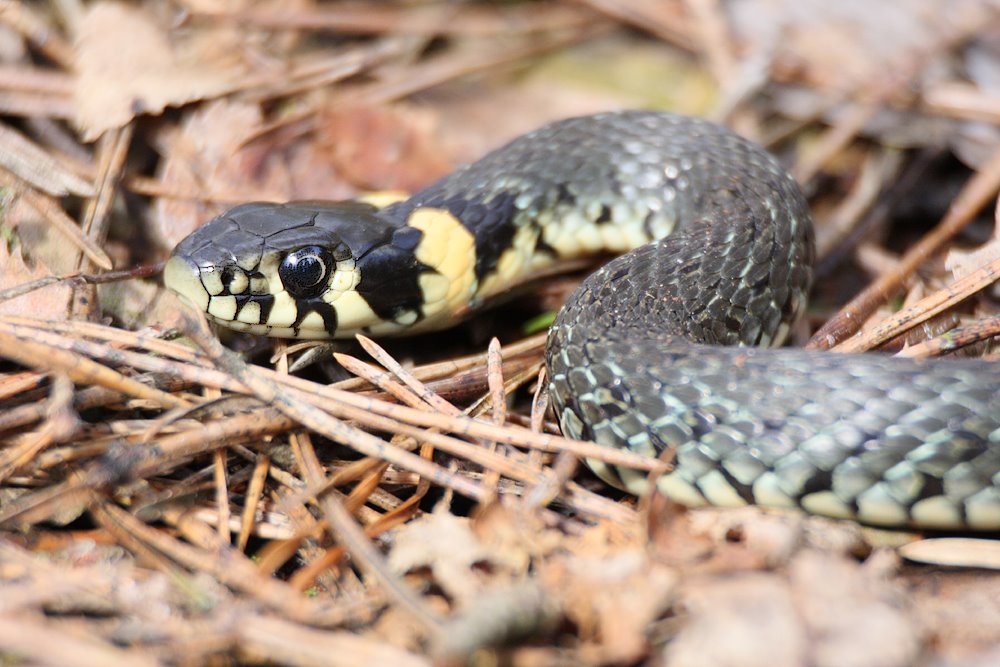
{"x": 672, "y": 344}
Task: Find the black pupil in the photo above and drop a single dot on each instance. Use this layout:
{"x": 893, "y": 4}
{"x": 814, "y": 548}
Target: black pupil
{"x": 303, "y": 271}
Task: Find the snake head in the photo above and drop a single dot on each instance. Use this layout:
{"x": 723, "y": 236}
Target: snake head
{"x": 285, "y": 270}
{"x": 326, "y": 269}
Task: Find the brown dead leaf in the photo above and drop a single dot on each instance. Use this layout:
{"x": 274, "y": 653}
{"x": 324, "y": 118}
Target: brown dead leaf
{"x": 513, "y": 537}
{"x": 398, "y": 627}
{"x": 963, "y": 262}
{"x": 501, "y": 616}
{"x": 48, "y": 302}
{"x": 960, "y": 612}
{"x": 606, "y": 73}
{"x": 127, "y": 65}
{"x": 711, "y": 539}
{"x": 384, "y": 148}
{"x": 828, "y": 611}
{"x": 215, "y": 155}
{"x": 854, "y": 617}
{"x": 447, "y": 546}
{"x": 612, "y": 599}
{"x": 836, "y": 46}
{"x": 203, "y": 157}
{"x": 747, "y": 620}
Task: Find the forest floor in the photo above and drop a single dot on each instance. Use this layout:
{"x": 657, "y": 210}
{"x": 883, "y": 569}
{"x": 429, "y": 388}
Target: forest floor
{"x": 165, "y": 502}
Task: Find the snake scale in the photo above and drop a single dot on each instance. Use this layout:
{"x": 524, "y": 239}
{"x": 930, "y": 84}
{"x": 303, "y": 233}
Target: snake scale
{"x": 672, "y": 344}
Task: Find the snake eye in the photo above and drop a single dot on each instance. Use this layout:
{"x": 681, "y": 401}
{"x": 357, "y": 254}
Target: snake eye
{"x": 304, "y": 272}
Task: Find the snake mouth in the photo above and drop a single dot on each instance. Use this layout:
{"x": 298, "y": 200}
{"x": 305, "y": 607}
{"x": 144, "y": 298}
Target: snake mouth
{"x": 226, "y": 293}
{"x": 183, "y": 277}
{"x": 257, "y": 300}
{"x": 298, "y": 280}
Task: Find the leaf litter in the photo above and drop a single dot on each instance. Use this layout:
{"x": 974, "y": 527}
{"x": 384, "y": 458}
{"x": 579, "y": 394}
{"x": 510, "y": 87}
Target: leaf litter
{"x": 164, "y": 501}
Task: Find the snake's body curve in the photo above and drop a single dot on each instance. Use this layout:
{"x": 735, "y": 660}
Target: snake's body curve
{"x": 665, "y": 346}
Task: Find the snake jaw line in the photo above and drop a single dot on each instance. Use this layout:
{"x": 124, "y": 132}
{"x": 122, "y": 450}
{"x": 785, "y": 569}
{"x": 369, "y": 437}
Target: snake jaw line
{"x": 184, "y": 278}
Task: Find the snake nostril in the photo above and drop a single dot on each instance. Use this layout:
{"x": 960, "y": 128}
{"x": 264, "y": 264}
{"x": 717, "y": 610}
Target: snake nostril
{"x": 342, "y": 253}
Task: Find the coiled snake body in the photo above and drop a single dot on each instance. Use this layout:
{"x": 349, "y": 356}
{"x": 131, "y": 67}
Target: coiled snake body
{"x": 665, "y": 346}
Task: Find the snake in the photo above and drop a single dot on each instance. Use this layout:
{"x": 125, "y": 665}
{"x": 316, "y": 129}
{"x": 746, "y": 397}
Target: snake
{"x": 674, "y": 345}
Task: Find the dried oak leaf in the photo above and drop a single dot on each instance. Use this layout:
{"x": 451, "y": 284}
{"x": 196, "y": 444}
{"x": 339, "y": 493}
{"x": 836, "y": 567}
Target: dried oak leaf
{"x": 46, "y": 303}
{"x": 383, "y": 148}
{"x": 959, "y": 611}
{"x": 835, "y": 46}
{"x": 226, "y": 151}
{"x": 963, "y": 262}
{"x": 515, "y": 537}
{"x": 210, "y": 155}
{"x": 853, "y": 616}
{"x": 826, "y": 610}
{"x": 126, "y": 64}
{"x": 612, "y": 598}
{"x": 741, "y": 620}
{"x": 448, "y": 547}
